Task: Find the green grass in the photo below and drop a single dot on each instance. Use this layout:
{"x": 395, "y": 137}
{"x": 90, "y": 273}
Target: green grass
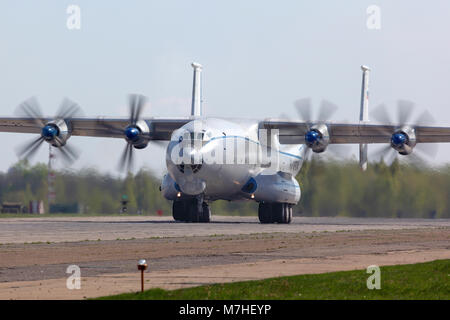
{"x": 415, "y": 281}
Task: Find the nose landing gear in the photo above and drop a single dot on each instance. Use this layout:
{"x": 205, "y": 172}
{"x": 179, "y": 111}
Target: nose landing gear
{"x": 191, "y": 210}
{"x": 275, "y": 212}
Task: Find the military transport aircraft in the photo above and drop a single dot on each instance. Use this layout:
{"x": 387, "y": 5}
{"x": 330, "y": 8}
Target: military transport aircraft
{"x": 211, "y": 158}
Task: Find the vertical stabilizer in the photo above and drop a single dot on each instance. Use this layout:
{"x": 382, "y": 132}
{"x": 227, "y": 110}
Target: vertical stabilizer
{"x": 364, "y": 115}
{"x": 196, "y": 109}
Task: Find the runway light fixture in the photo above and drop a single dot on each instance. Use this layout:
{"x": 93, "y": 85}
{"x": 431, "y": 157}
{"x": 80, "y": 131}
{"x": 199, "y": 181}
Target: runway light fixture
{"x": 142, "y": 266}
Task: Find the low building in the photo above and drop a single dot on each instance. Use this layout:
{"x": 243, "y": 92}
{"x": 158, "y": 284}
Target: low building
{"x": 12, "y": 207}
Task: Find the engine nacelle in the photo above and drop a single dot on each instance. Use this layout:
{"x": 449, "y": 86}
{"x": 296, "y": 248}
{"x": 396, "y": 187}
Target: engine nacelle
{"x": 169, "y": 188}
{"x": 138, "y": 134}
{"x": 278, "y": 187}
{"x": 318, "y": 138}
{"x": 56, "y": 132}
{"x": 404, "y": 140}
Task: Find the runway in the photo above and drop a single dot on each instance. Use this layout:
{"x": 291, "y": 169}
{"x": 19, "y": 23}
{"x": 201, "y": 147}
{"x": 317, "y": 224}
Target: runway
{"x": 32, "y": 230}
{"x": 35, "y": 252}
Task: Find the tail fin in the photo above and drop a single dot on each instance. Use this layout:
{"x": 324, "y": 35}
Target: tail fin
{"x": 364, "y": 115}
{"x": 196, "y": 109}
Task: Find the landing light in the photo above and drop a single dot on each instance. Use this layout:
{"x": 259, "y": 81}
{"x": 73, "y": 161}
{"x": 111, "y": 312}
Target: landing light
{"x": 178, "y": 194}
{"x": 252, "y": 196}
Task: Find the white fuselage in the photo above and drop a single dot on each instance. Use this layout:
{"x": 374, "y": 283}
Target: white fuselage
{"x": 231, "y": 160}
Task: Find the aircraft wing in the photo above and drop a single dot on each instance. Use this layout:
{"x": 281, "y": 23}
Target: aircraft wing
{"x": 160, "y": 129}
{"x": 293, "y": 132}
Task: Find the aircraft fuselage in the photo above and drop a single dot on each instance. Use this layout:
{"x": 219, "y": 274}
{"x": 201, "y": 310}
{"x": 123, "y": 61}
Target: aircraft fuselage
{"x": 231, "y": 160}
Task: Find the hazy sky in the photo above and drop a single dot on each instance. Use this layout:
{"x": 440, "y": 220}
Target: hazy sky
{"x": 258, "y": 57}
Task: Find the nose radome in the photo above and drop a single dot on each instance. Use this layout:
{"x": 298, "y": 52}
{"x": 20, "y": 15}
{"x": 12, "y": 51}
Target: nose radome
{"x": 192, "y": 186}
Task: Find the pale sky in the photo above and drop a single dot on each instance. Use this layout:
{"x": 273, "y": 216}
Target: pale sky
{"x": 258, "y": 57}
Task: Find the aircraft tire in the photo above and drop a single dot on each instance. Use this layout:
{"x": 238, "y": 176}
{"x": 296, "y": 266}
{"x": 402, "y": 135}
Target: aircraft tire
{"x": 177, "y": 210}
{"x": 265, "y": 213}
{"x": 206, "y": 213}
{"x": 193, "y": 213}
{"x": 281, "y": 213}
{"x": 290, "y": 210}
{"x": 278, "y": 212}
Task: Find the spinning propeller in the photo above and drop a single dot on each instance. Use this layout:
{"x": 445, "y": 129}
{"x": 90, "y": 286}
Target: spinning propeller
{"x": 56, "y": 132}
{"x": 403, "y": 140}
{"x": 136, "y": 133}
{"x": 317, "y": 137}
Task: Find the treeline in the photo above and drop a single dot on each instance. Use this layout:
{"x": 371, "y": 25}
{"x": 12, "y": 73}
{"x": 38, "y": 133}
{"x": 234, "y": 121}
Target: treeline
{"x": 328, "y": 189}
{"x": 398, "y": 190}
{"x": 93, "y": 191}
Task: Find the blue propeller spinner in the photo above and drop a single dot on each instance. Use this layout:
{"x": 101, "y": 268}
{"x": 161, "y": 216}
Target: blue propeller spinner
{"x": 132, "y": 133}
{"x": 49, "y": 132}
{"x": 312, "y": 137}
{"x": 398, "y": 139}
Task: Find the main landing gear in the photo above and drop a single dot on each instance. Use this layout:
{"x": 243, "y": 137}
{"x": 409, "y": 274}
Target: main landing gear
{"x": 191, "y": 210}
{"x": 275, "y": 212}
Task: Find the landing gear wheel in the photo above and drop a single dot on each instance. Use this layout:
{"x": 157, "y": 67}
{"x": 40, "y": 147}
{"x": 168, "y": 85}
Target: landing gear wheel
{"x": 178, "y": 210}
{"x": 206, "y": 213}
{"x": 289, "y": 219}
{"x": 191, "y": 210}
{"x": 275, "y": 212}
{"x": 265, "y": 212}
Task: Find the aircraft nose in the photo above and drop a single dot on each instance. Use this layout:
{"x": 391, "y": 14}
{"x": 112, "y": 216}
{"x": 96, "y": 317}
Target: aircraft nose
{"x": 192, "y": 187}
{"x": 192, "y": 160}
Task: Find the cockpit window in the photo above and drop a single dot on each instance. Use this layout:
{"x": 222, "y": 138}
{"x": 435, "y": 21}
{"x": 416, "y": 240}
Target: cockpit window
{"x": 197, "y": 135}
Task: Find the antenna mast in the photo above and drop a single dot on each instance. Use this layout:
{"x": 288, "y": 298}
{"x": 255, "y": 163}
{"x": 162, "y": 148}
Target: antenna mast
{"x": 51, "y": 177}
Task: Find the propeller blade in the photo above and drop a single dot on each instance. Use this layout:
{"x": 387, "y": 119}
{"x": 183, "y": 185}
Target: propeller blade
{"x": 326, "y": 110}
{"x": 68, "y": 109}
{"x": 130, "y": 159}
{"x": 124, "y": 157}
{"x": 381, "y": 115}
{"x": 69, "y": 153}
{"x": 428, "y": 149}
{"x": 391, "y": 156}
{"x": 382, "y": 152}
{"x": 425, "y": 119}
{"x": 29, "y": 149}
{"x": 303, "y": 107}
{"x": 142, "y": 100}
{"x": 136, "y": 103}
{"x": 413, "y": 159}
{"x": 126, "y": 160}
{"x": 405, "y": 110}
{"x": 132, "y": 106}
{"x": 339, "y": 150}
{"x": 30, "y": 108}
